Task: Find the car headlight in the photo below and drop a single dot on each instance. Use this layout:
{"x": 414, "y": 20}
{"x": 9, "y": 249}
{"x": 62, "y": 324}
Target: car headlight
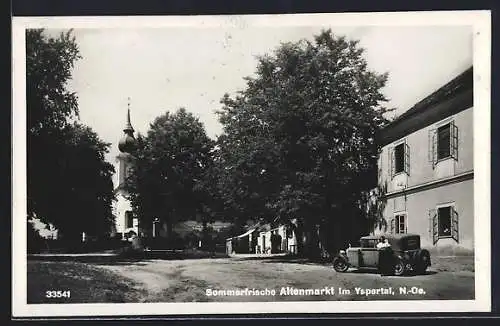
{"x": 342, "y": 251}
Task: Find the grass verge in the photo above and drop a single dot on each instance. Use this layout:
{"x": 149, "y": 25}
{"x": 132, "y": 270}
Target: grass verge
{"x": 453, "y": 264}
{"x": 87, "y": 284}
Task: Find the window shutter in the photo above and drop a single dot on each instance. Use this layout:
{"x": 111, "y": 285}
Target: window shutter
{"x": 433, "y": 226}
{"x": 432, "y": 155}
{"x": 434, "y": 148}
{"x": 454, "y": 140}
{"x": 454, "y": 224}
{"x": 393, "y": 225}
{"x": 389, "y": 162}
{"x": 406, "y": 223}
{"x": 393, "y": 162}
{"x": 407, "y": 158}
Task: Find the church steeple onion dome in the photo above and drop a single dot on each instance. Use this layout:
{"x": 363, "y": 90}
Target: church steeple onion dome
{"x": 128, "y": 142}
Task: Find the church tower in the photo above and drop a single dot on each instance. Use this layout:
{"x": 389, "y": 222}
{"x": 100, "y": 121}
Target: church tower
{"x": 125, "y": 221}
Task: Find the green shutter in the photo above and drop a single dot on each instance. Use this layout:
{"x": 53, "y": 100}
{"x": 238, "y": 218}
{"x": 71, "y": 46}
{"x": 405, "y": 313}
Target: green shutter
{"x": 433, "y": 226}
{"x": 454, "y": 224}
{"x": 393, "y": 225}
{"x": 389, "y": 162}
{"x": 392, "y": 162}
{"x": 454, "y": 140}
{"x": 407, "y": 158}
{"x": 432, "y": 155}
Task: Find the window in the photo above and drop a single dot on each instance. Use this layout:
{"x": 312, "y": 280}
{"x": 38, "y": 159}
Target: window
{"x": 129, "y": 219}
{"x": 444, "y": 223}
{"x": 399, "y": 159}
{"x": 399, "y": 224}
{"x": 443, "y": 143}
{"x": 399, "y": 156}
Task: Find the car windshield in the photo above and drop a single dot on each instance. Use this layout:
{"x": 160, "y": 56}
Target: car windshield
{"x": 411, "y": 243}
{"x": 368, "y": 243}
{"x": 406, "y": 243}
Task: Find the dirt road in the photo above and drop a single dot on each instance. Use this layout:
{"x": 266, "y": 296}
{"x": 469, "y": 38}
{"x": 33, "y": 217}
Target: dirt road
{"x": 243, "y": 279}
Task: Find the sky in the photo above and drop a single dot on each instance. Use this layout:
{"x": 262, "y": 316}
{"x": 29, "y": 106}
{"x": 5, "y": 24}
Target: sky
{"x": 163, "y": 69}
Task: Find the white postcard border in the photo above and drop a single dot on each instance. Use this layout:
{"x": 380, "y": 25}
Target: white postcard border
{"x": 481, "y": 22}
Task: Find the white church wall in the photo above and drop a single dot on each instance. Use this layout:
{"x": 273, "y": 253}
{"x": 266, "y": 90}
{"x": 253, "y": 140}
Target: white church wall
{"x": 120, "y": 207}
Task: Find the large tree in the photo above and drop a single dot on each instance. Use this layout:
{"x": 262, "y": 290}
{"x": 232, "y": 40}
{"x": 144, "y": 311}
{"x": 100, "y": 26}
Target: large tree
{"x": 69, "y": 181}
{"x": 169, "y": 175}
{"x": 299, "y": 140}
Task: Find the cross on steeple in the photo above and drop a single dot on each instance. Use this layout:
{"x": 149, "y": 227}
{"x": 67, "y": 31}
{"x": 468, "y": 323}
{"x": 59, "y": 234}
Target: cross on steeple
{"x": 127, "y": 143}
{"x": 128, "y": 125}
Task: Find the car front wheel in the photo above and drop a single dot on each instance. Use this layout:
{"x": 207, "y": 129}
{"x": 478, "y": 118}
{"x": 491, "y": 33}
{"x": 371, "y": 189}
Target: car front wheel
{"x": 340, "y": 264}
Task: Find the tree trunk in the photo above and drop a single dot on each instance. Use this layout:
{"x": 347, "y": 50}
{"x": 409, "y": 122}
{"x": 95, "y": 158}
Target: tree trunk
{"x": 299, "y": 236}
{"x": 170, "y": 229}
{"x": 323, "y": 241}
{"x": 307, "y": 240}
{"x": 313, "y": 249}
{"x": 335, "y": 236}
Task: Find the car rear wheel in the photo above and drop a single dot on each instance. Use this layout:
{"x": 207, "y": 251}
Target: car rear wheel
{"x": 399, "y": 267}
{"x": 340, "y": 264}
{"x": 423, "y": 263}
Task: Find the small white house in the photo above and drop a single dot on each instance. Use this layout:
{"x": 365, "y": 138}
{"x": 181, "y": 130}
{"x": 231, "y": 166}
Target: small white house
{"x": 280, "y": 239}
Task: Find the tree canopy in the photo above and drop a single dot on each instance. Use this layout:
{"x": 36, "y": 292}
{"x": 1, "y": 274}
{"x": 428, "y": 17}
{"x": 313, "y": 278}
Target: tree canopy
{"x": 69, "y": 181}
{"x": 299, "y": 140}
{"x": 169, "y": 170}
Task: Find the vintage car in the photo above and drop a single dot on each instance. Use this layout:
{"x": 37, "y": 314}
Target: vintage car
{"x": 404, "y": 255}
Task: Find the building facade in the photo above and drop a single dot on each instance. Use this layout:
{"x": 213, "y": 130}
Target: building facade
{"x": 126, "y": 223}
{"x": 280, "y": 239}
{"x": 263, "y": 239}
{"x": 426, "y": 168}
{"x": 243, "y": 243}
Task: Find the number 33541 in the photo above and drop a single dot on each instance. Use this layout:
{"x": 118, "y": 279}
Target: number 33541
{"x": 57, "y": 294}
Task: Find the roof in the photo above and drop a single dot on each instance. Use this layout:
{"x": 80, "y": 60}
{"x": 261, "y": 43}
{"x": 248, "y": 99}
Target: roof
{"x": 265, "y": 227}
{"x": 245, "y": 234}
{"x": 451, "y": 98}
{"x": 128, "y": 142}
{"x": 251, "y": 230}
{"x": 457, "y": 83}
{"x": 256, "y": 227}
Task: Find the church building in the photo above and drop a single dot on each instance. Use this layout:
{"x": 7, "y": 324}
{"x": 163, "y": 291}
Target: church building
{"x": 125, "y": 221}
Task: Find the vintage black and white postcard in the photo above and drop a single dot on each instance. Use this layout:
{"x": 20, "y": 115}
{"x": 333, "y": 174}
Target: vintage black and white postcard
{"x": 306, "y": 163}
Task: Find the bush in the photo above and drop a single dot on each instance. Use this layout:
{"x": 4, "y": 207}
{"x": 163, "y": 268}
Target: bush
{"x": 68, "y": 245}
{"x": 161, "y": 243}
{"x": 35, "y": 243}
{"x": 131, "y": 252}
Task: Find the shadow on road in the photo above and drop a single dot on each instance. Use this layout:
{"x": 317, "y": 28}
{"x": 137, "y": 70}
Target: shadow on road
{"x": 306, "y": 261}
{"x": 287, "y": 259}
{"x": 137, "y": 258}
{"x": 112, "y": 260}
{"x": 375, "y": 271}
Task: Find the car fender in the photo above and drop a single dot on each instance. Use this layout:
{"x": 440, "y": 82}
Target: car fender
{"x": 342, "y": 254}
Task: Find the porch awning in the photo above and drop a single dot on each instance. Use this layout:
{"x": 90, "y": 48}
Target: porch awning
{"x": 242, "y": 235}
{"x": 246, "y": 233}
